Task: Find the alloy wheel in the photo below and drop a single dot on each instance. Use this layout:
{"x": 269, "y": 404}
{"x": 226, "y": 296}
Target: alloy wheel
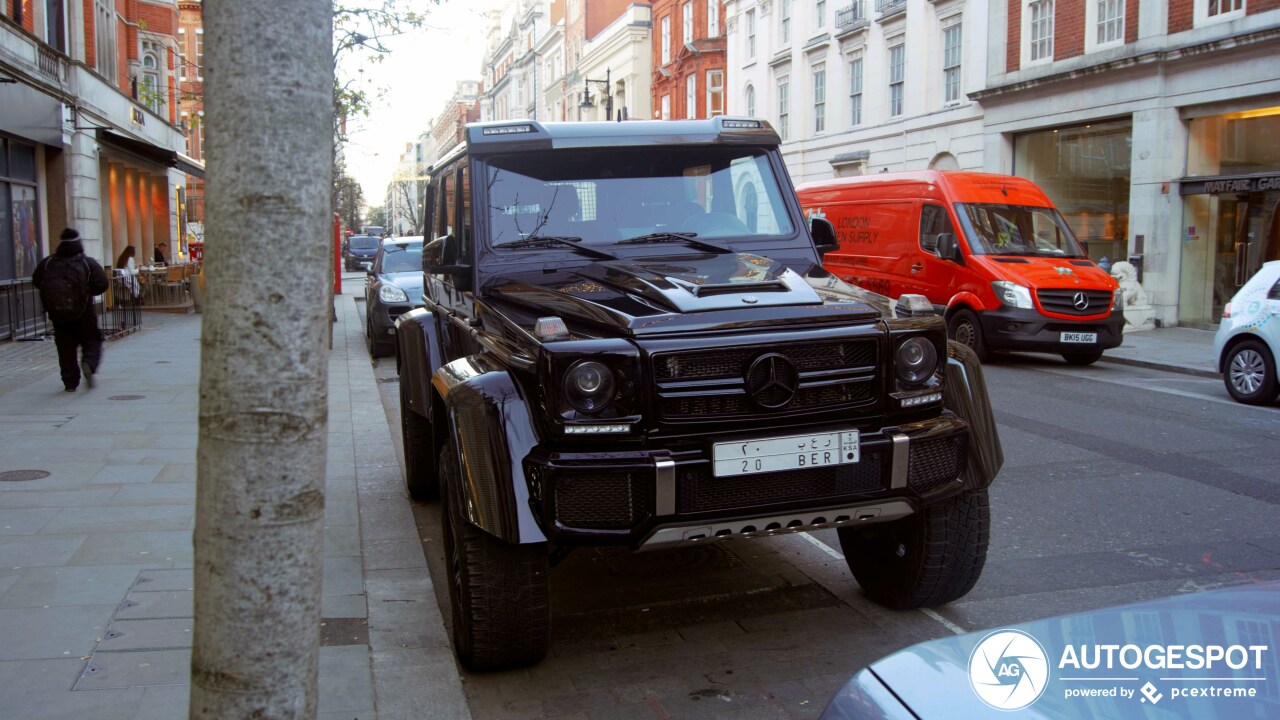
{"x": 1247, "y": 369}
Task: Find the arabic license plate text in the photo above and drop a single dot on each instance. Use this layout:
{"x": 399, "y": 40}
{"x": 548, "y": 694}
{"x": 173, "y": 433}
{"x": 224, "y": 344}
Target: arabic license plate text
{"x": 1077, "y": 337}
{"x": 796, "y": 452}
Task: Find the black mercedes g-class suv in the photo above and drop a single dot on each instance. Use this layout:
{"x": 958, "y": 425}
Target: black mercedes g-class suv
{"x": 628, "y": 339}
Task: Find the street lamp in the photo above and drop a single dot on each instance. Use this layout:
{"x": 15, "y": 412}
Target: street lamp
{"x": 608, "y": 94}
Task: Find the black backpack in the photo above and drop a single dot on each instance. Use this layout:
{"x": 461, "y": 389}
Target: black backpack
{"x": 64, "y": 289}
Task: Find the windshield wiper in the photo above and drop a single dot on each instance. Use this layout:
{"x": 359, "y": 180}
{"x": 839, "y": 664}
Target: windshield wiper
{"x": 546, "y": 241}
{"x": 687, "y": 238}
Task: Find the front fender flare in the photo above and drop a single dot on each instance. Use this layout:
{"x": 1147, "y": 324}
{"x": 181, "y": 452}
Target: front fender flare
{"x": 492, "y": 430}
{"x": 418, "y": 356}
{"x": 965, "y": 394}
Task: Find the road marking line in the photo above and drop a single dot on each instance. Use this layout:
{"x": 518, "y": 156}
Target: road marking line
{"x": 927, "y": 611}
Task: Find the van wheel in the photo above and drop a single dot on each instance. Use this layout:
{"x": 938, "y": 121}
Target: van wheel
{"x": 928, "y": 558}
{"x": 420, "y": 477}
{"x": 498, "y": 592}
{"x": 1086, "y": 358}
{"x": 964, "y": 328}
{"x": 1250, "y": 373}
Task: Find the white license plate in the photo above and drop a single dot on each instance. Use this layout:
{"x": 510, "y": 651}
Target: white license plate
{"x": 749, "y": 457}
{"x": 1085, "y": 338}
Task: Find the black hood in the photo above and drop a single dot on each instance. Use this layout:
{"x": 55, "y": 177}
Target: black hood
{"x": 69, "y": 248}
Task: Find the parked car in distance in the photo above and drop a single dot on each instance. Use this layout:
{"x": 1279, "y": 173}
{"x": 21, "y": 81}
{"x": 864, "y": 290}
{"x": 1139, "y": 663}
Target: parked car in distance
{"x": 1248, "y": 339}
{"x": 392, "y": 288}
{"x": 1058, "y": 667}
{"x": 359, "y": 250}
{"x": 991, "y": 253}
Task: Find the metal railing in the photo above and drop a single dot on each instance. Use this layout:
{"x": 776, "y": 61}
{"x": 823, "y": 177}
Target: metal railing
{"x": 22, "y": 314}
{"x": 852, "y": 15}
{"x": 885, "y": 6}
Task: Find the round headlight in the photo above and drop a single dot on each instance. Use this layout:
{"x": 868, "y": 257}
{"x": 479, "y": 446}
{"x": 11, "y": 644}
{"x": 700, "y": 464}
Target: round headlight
{"x": 589, "y": 386}
{"x": 917, "y": 359}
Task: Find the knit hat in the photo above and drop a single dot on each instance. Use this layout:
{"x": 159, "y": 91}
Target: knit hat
{"x": 69, "y": 234}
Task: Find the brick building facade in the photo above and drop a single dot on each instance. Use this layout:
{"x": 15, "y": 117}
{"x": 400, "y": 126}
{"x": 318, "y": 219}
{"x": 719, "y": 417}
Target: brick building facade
{"x": 689, "y": 59}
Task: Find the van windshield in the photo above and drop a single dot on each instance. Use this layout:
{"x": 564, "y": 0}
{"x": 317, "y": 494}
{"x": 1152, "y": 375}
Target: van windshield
{"x": 601, "y": 197}
{"x": 1017, "y": 230}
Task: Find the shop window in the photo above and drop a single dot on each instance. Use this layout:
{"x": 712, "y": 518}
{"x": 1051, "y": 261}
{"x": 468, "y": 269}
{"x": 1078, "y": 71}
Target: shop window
{"x": 1085, "y": 171}
{"x": 19, "y": 220}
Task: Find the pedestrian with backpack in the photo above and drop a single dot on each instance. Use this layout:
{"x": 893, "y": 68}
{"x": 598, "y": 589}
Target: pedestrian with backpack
{"x": 68, "y": 280}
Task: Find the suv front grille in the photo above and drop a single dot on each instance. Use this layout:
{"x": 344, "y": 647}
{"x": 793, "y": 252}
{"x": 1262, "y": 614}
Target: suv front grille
{"x": 715, "y": 384}
{"x": 1064, "y": 301}
{"x": 934, "y": 463}
{"x": 602, "y": 500}
{"x": 700, "y": 491}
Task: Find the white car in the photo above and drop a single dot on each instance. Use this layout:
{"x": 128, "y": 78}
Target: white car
{"x": 1248, "y": 339}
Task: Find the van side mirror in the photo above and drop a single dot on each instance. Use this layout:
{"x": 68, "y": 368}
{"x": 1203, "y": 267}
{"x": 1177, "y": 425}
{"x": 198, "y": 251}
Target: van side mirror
{"x": 949, "y": 248}
{"x": 824, "y": 236}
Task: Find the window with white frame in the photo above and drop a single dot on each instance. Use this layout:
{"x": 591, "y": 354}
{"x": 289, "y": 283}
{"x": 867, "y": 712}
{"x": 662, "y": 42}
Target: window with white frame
{"x": 666, "y": 40}
{"x": 855, "y": 91}
{"x": 686, "y": 12}
{"x": 713, "y": 18}
{"x": 104, "y": 38}
{"x": 181, "y": 61}
{"x": 200, "y": 53}
{"x": 784, "y": 15}
{"x": 666, "y": 107}
{"x": 897, "y": 77}
{"x": 819, "y": 73}
{"x": 784, "y": 106}
{"x": 715, "y": 93}
{"x": 1039, "y": 30}
{"x": 1107, "y": 22}
{"x": 1211, "y": 11}
{"x": 149, "y": 83}
{"x": 751, "y": 100}
{"x": 820, "y": 13}
{"x": 691, "y": 96}
{"x": 951, "y": 54}
{"x": 751, "y": 34}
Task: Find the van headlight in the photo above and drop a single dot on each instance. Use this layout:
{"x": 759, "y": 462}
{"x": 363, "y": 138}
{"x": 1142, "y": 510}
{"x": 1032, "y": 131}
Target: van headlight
{"x": 589, "y": 386}
{"x": 916, "y": 360}
{"x": 1013, "y": 294}
{"x": 392, "y": 294}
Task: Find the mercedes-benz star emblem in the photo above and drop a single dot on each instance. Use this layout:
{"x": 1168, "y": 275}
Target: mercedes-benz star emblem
{"x": 749, "y": 299}
{"x": 1080, "y": 301}
{"x": 771, "y": 381}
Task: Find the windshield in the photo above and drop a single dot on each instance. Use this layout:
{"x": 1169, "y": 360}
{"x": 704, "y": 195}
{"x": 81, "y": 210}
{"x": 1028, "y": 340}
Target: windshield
{"x": 363, "y": 242}
{"x": 1017, "y": 230}
{"x": 402, "y": 257}
{"x": 602, "y": 197}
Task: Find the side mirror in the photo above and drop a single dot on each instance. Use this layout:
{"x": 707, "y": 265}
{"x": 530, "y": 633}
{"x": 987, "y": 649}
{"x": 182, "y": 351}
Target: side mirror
{"x": 440, "y": 257}
{"x": 949, "y": 248}
{"x": 824, "y": 236}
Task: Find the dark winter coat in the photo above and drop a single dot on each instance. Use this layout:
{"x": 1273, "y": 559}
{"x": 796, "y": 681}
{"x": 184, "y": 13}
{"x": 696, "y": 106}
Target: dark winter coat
{"x": 98, "y": 283}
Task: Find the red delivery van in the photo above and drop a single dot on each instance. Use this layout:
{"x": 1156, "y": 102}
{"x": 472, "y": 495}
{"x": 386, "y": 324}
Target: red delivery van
{"x": 989, "y": 251}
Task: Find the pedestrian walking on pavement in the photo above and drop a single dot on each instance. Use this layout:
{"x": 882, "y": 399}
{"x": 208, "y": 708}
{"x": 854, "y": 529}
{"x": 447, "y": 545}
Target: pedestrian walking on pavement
{"x": 68, "y": 280}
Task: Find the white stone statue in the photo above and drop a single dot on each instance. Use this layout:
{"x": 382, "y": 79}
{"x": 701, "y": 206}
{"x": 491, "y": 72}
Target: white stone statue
{"x": 1138, "y": 313}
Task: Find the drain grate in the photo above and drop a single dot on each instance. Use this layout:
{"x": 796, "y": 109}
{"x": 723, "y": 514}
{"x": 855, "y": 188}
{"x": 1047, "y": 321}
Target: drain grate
{"x": 126, "y": 397}
{"x": 22, "y": 475}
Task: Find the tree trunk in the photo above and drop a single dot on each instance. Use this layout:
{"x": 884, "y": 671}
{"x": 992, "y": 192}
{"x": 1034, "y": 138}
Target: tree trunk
{"x": 264, "y": 359}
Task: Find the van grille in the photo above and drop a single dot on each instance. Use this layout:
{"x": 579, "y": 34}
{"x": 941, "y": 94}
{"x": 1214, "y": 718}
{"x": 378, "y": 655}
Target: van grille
{"x": 1063, "y": 301}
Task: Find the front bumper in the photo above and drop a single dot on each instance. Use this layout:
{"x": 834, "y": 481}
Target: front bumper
{"x": 382, "y": 318}
{"x": 1027, "y": 330}
{"x": 660, "y": 497}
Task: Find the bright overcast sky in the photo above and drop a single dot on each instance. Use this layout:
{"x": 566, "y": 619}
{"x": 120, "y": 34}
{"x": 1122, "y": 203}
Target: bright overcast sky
{"x": 418, "y": 79}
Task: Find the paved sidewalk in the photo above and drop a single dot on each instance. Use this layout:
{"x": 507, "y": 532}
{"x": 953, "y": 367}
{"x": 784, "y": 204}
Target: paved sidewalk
{"x": 96, "y": 554}
{"x": 1182, "y": 350}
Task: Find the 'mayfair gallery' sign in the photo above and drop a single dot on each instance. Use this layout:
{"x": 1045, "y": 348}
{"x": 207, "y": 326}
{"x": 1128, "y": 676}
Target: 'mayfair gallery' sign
{"x": 1214, "y": 186}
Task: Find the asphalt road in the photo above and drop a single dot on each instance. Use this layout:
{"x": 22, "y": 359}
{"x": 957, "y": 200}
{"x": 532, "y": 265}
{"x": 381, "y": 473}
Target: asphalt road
{"x": 1120, "y": 484}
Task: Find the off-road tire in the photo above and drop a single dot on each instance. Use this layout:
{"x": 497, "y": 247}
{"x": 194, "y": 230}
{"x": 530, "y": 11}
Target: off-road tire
{"x": 420, "y": 477}
{"x": 1082, "y": 358}
{"x": 963, "y": 327}
{"x": 498, "y": 592}
{"x": 1250, "y": 358}
{"x": 377, "y": 348}
{"x": 926, "y": 559}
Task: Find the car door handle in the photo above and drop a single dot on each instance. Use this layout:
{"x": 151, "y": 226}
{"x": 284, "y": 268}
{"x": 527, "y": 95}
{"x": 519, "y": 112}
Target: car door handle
{"x": 917, "y": 268}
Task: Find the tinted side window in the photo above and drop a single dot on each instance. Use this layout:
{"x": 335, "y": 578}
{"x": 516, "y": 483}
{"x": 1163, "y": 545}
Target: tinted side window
{"x": 1275, "y": 292}
{"x": 444, "y": 218}
{"x": 464, "y": 213}
{"x": 933, "y": 222}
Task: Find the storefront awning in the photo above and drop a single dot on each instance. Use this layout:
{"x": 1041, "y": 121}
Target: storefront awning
{"x": 150, "y": 153}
